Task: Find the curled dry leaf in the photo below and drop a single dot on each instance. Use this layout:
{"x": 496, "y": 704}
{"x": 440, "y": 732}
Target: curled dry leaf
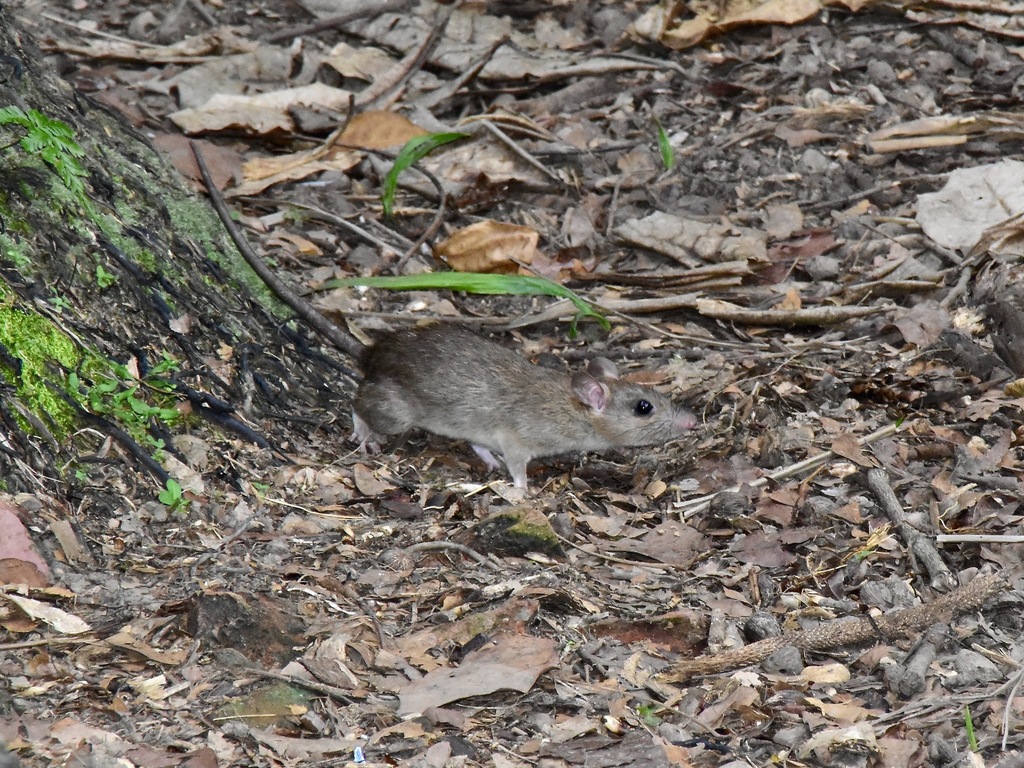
{"x": 944, "y": 131}
{"x": 263, "y": 172}
{"x": 360, "y": 63}
{"x": 659, "y": 25}
{"x": 489, "y": 246}
{"x": 21, "y": 564}
{"x": 52, "y": 616}
{"x": 380, "y": 129}
{"x": 186, "y": 51}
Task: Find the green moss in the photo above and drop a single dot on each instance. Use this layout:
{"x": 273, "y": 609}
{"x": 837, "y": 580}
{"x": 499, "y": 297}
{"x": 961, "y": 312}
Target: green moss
{"x": 37, "y": 343}
{"x": 44, "y": 351}
{"x": 128, "y": 215}
{"x": 195, "y": 217}
{"x": 131, "y": 248}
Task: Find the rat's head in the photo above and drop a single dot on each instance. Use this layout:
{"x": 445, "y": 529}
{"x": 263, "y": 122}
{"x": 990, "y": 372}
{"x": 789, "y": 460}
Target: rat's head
{"x": 627, "y": 414}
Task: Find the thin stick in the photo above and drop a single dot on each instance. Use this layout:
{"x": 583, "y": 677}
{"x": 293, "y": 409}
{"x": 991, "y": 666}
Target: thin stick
{"x": 519, "y": 151}
{"x": 302, "y": 308}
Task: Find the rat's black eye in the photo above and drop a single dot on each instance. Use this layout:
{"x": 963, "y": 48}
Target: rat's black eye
{"x": 643, "y": 408}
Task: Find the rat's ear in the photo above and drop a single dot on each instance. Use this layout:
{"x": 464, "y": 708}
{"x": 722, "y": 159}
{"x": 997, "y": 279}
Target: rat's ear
{"x": 602, "y": 368}
{"x": 591, "y": 392}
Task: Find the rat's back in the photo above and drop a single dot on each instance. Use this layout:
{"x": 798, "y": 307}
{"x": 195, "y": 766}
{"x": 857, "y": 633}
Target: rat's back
{"x": 445, "y": 380}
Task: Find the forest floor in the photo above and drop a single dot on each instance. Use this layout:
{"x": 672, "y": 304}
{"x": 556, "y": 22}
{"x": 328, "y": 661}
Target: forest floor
{"x": 804, "y": 222}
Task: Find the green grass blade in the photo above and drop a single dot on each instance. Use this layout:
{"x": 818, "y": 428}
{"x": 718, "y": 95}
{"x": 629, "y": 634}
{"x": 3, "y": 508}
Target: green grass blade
{"x": 415, "y": 149}
{"x": 972, "y": 739}
{"x": 476, "y": 282}
{"x": 668, "y": 155}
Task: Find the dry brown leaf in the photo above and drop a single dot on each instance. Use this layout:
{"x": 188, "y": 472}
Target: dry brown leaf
{"x": 945, "y": 130}
{"x": 380, "y": 129}
{"x": 659, "y": 24}
{"x": 489, "y": 246}
{"x": 16, "y": 546}
{"x": 672, "y": 543}
{"x": 737, "y": 698}
{"x": 416, "y": 647}
{"x": 223, "y": 162}
{"x": 128, "y": 639}
{"x": 361, "y": 63}
{"x": 846, "y": 446}
{"x": 191, "y": 50}
{"x": 783, "y": 220}
{"x": 262, "y": 172}
{"x": 261, "y": 114}
{"x": 468, "y": 161}
{"x": 841, "y": 712}
{"x": 790, "y": 301}
{"x": 293, "y": 243}
{"x": 507, "y": 662}
{"x": 57, "y": 619}
{"x": 764, "y": 549}
{"x": 693, "y": 242}
{"x": 368, "y": 483}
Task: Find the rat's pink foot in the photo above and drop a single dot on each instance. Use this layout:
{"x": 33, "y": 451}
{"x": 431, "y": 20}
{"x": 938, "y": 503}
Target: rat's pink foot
{"x": 487, "y": 457}
{"x": 368, "y": 442}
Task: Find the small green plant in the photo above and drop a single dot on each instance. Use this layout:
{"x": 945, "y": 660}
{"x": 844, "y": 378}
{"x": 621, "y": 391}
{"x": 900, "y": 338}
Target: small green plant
{"x": 415, "y": 149}
{"x": 104, "y": 279}
{"x": 668, "y": 155}
{"x": 53, "y": 141}
{"x": 648, "y": 713}
{"x": 120, "y": 397}
{"x": 60, "y": 302}
{"x": 172, "y": 497}
{"x": 476, "y": 282}
{"x": 14, "y": 251}
{"x": 166, "y": 365}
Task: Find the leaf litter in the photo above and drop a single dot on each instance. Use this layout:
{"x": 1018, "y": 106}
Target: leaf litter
{"x": 824, "y": 273}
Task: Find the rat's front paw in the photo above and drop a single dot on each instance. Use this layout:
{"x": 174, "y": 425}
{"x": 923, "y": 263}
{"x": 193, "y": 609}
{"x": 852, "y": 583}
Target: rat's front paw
{"x": 361, "y": 433}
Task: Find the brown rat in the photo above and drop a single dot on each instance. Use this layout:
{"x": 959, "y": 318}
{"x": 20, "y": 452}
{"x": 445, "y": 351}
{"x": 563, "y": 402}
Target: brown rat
{"x": 457, "y": 384}
{"x": 451, "y": 382}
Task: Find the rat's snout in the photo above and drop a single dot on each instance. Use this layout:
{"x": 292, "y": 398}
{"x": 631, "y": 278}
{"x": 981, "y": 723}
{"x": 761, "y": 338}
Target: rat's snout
{"x": 684, "y": 420}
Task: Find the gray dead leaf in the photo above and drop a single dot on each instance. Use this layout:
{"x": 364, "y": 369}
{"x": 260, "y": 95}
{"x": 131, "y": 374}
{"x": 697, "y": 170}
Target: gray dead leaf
{"x": 693, "y": 242}
{"x": 507, "y": 662}
{"x": 972, "y": 201}
{"x": 921, "y": 324}
{"x": 781, "y": 221}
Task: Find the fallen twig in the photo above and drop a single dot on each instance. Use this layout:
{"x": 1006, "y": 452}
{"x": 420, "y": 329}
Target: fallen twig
{"x": 842, "y": 632}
